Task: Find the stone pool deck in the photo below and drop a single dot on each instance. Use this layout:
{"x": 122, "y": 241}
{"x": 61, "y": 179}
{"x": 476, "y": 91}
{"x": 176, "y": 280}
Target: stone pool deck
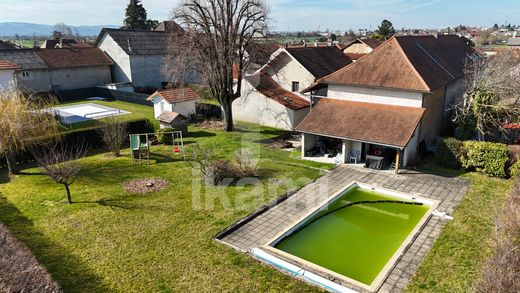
{"x": 264, "y": 227}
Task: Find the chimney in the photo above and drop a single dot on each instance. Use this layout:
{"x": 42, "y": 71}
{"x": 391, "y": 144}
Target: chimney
{"x": 316, "y": 43}
{"x": 61, "y": 42}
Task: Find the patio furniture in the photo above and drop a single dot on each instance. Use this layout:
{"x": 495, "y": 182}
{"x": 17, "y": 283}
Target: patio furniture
{"x": 354, "y": 156}
{"x": 374, "y": 162}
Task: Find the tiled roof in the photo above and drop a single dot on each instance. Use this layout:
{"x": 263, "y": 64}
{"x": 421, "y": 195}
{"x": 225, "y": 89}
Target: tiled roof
{"x": 174, "y": 96}
{"x": 169, "y": 26}
{"x": 6, "y": 45}
{"x": 142, "y": 42}
{"x": 169, "y": 117}
{"x": 354, "y": 56}
{"x": 27, "y": 58}
{"x": 51, "y": 44}
{"x": 6, "y": 65}
{"x": 260, "y": 53}
{"x": 372, "y": 43}
{"x": 320, "y": 61}
{"x": 263, "y": 83}
{"x": 366, "y": 122}
{"x": 78, "y": 57}
{"x": 414, "y": 63}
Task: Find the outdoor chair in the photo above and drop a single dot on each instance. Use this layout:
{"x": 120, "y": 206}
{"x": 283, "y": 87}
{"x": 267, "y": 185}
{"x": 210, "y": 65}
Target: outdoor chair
{"x": 354, "y": 156}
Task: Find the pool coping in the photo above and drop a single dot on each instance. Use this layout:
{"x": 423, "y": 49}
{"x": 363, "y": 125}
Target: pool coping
{"x": 327, "y": 273}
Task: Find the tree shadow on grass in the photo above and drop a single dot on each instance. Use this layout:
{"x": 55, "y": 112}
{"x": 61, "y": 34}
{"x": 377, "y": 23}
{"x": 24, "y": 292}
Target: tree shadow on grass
{"x": 66, "y": 269}
{"x": 4, "y": 176}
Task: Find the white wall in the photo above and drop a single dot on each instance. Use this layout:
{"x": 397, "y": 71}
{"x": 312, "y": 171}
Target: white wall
{"x": 121, "y": 70}
{"x": 6, "y": 78}
{"x": 358, "y": 48}
{"x": 185, "y": 108}
{"x": 411, "y": 149}
{"x": 80, "y": 77}
{"x": 147, "y": 70}
{"x": 284, "y": 70}
{"x": 375, "y": 95}
{"x": 254, "y": 107}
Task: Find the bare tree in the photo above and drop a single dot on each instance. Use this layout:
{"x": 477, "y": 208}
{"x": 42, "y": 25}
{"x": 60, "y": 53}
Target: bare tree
{"x": 23, "y": 123}
{"x": 61, "y": 163}
{"x": 63, "y": 31}
{"x": 114, "y": 133}
{"x": 217, "y": 34}
{"x": 492, "y": 93}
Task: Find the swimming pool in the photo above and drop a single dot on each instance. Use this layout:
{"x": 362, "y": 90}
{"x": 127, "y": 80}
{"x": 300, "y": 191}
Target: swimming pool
{"x": 354, "y": 239}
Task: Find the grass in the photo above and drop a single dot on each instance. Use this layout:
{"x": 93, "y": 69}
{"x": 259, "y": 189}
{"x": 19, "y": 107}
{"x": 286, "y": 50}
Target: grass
{"x": 137, "y": 112}
{"x": 109, "y": 240}
{"x": 455, "y": 261}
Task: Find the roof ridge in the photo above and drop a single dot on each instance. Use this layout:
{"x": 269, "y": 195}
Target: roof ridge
{"x": 351, "y": 64}
{"x": 416, "y": 73}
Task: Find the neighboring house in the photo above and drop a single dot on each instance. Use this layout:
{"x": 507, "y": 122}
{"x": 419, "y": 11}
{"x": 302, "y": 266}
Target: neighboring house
{"x": 167, "y": 103}
{"x": 7, "y": 45}
{"x": 139, "y": 55}
{"x": 514, "y": 42}
{"x": 7, "y": 70}
{"x": 44, "y": 70}
{"x": 76, "y": 68}
{"x": 360, "y": 47}
{"x": 259, "y": 54}
{"x": 64, "y": 43}
{"x": 271, "y": 96}
{"x": 388, "y": 105}
{"x": 33, "y": 74}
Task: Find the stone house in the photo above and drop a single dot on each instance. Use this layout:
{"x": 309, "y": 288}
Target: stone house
{"x": 388, "y": 105}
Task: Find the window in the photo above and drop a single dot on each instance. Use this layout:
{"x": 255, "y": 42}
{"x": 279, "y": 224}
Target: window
{"x": 295, "y": 86}
{"x": 25, "y": 74}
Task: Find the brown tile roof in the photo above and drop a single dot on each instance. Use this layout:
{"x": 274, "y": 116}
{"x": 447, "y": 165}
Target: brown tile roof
{"x": 77, "y": 57}
{"x": 5, "y": 65}
{"x": 320, "y": 61}
{"x": 173, "y": 96}
{"x": 355, "y": 56}
{"x": 372, "y": 43}
{"x": 266, "y": 85}
{"x": 365, "y": 122}
{"x": 414, "y": 63}
{"x": 169, "y": 117}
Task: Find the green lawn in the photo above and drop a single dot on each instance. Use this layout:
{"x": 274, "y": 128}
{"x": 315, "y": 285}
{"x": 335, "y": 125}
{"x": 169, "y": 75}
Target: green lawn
{"x": 454, "y": 263}
{"x": 110, "y": 240}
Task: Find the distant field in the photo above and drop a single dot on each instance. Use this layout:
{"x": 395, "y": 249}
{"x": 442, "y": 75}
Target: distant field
{"x": 27, "y": 43}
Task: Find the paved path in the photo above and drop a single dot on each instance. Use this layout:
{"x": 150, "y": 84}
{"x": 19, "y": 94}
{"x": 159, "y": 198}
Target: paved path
{"x": 449, "y": 191}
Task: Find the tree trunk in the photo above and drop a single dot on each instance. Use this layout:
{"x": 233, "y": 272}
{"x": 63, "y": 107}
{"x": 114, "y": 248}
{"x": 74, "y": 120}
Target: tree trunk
{"x": 228, "y": 115}
{"x": 69, "y": 199}
{"x": 11, "y": 163}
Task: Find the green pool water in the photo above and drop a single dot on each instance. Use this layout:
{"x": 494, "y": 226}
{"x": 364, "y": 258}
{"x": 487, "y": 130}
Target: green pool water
{"x": 356, "y": 241}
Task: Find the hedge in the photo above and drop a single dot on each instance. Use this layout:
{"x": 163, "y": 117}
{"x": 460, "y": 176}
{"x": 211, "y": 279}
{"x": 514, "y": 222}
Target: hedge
{"x": 490, "y": 158}
{"x": 487, "y": 157}
{"x": 449, "y": 151}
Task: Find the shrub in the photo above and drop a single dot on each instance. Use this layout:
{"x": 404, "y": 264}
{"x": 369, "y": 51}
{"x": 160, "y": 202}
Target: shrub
{"x": 449, "y": 152}
{"x": 246, "y": 165}
{"x": 487, "y": 157}
{"x": 515, "y": 169}
{"x": 163, "y": 137}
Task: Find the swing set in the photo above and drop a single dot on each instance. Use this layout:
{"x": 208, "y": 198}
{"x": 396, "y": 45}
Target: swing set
{"x": 140, "y": 145}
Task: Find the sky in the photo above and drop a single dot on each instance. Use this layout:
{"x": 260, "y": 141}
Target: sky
{"x": 286, "y": 15}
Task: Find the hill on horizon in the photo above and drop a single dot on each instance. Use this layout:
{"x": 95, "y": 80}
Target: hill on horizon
{"x": 10, "y": 29}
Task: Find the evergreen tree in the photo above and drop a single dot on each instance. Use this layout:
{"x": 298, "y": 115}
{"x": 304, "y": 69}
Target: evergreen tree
{"x": 136, "y": 16}
{"x": 385, "y": 31}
